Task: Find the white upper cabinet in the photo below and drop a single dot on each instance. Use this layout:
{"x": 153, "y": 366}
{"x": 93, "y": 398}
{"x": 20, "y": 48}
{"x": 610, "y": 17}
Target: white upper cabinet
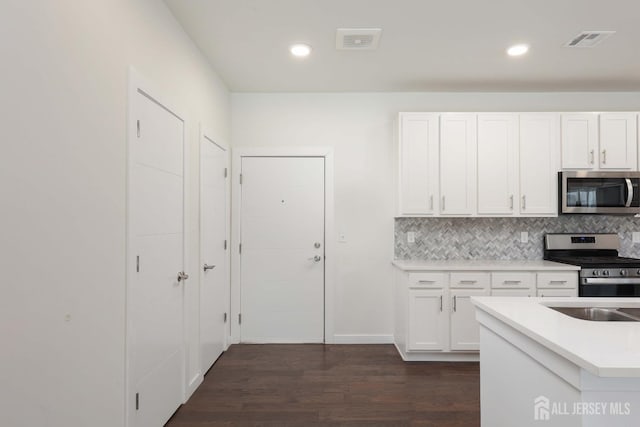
{"x": 618, "y": 141}
{"x": 606, "y": 141}
{"x": 579, "y": 140}
{"x": 418, "y": 157}
{"x": 497, "y": 164}
{"x": 458, "y": 145}
{"x": 539, "y": 163}
{"x": 504, "y": 164}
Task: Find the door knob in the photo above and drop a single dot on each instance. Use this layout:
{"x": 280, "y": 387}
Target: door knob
{"x": 316, "y": 245}
{"x": 208, "y": 267}
{"x": 316, "y": 258}
{"x": 182, "y": 276}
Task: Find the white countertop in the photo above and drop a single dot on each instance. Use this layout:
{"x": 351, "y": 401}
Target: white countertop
{"x": 605, "y": 349}
{"x": 479, "y": 265}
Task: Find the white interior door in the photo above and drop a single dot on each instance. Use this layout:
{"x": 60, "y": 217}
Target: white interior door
{"x": 214, "y": 286}
{"x": 155, "y": 305}
{"x": 282, "y": 252}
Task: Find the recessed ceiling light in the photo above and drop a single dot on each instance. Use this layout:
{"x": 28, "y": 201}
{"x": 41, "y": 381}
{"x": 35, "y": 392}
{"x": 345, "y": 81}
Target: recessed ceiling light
{"x": 518, "y": 49}
{"x": 300, "y": 50}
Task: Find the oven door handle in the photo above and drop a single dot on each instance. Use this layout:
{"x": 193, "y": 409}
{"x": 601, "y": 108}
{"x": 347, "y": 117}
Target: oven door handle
{"x": 629, "y": 192}
{"x": 611, "y": 281}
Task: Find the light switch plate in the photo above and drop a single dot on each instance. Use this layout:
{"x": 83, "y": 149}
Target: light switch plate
{"x": 524, "y": 237}
{"x": 635, "y": 237}
{"x": 411, "y": 237}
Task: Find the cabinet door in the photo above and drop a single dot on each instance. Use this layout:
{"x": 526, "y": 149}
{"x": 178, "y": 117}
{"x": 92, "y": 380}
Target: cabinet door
{"x": 544, "y": 293}
{"x": 618, "y": 141}
{"x": 465, "y": 331}
{"x": 458, "y": 145}
{"x": 427, "y": 321}
{"x": 418, "y": 163}
{"x": 497, "y": 164}
{"x": 513, "y": 292}
{"x": 539, "y": 163}
{"x": 579, "y": 140}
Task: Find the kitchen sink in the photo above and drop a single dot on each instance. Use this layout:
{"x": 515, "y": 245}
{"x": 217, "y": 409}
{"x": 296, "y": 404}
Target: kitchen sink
{"x": 635, "y": 312}
{"x": 601, "y": 314}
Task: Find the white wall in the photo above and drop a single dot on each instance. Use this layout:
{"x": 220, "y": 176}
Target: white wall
{"x": 360, "y": 128}
{"x": 63, "y": 104}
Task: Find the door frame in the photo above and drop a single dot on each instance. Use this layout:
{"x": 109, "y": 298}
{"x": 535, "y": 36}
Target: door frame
{"x": 138, "y": 84}
{"x": 207, "y": 134}
{"x": 329, "y": 229}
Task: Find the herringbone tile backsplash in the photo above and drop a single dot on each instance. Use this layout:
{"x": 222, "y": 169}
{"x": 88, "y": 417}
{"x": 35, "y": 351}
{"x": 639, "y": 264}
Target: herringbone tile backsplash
{"x": 499, "y": 238}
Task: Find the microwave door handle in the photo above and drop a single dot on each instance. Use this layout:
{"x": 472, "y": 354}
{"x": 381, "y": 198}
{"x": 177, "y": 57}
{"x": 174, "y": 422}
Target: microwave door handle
{"x": 629, "y": 192}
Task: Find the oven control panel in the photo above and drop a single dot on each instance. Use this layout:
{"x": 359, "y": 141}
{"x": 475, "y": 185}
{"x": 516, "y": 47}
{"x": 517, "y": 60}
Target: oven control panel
{"x": 610, "y": 272}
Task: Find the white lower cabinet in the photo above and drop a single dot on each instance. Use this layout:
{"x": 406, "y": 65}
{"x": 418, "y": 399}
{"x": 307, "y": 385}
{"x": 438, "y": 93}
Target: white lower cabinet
{"x": 427, "y": 320}
{"x": 465, "y": 331}
{"x": 435, "y": 319}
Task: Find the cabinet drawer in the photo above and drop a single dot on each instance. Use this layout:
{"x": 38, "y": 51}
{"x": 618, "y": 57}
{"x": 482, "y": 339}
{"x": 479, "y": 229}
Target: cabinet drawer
{"x": 513, "y": 280}
{"x": 469, "y": 280}
{"x": 554, "y": 293}
{"x": 557, "y": 280}
{"x": 428, "y": 280}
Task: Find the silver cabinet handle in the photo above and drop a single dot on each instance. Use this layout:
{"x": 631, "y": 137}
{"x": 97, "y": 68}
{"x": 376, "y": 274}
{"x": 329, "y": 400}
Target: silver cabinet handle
{"x": 443, "y": 204}
{"x": 524, "y": 202}
{"x": 317, "y": 245}
{"x": 604, "y": 157}
{"x": 629, "y": 191}
{"x": 512, "y": 282}
{"x": 455, "y": 306}
{"x": 182, "y": 276}
{"x": 440, "y": 302}
{"x": 426, "y": 281}
{"x": 561, "y": 282}
{"x": 511, "y": 202}
{"x": 316, "y": 258}
{"x": 208, "y": 267}
{"x": 431, "y": 203}
{"x": 468, "y": 282}
{"x": 592, "y": 156}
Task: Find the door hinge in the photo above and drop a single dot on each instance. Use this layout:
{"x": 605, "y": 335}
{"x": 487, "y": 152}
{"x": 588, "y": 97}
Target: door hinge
{"x": 240, "y": 179}
{"x": 225, "y": 245}
{"x": 138, "y": 128}
{"x": 240, "y": 247}
{"x": 225, "y": 318}
{"x": 138, "y": 264}
{"x": 225, "y": 172}
{"x": 239, "y": 319}
{"x": 137, "y": 401}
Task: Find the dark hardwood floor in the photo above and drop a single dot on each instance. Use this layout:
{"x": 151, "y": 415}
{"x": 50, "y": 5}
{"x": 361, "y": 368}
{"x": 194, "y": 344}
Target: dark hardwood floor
{"x": 331, "y": 385}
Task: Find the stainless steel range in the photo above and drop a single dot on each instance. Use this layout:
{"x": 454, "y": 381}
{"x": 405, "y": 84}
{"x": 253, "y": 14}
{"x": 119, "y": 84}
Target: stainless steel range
{"x": 603, "y": 273}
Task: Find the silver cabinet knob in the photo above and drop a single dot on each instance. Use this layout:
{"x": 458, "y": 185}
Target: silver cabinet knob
{"x": 316, "y": 245}
{"x": 208, "y": 267}
{"x": 316, "y": 258}
{"x": 182, "y": 276}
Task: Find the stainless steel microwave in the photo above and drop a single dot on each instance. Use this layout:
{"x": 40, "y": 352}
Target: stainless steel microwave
{"x": 586, "y": 192}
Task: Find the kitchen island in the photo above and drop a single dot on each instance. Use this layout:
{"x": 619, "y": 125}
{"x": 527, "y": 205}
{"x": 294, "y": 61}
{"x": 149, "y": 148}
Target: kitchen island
{"x": 539, "y": 366}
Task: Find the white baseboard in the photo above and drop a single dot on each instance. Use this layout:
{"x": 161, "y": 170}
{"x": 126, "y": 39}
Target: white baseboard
{"x": 361, "y": 339}
{"x": 193, "y": 385}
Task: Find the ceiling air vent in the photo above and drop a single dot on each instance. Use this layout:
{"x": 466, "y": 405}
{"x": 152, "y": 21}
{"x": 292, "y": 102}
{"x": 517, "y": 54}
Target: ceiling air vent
{"x": 589, "y": 38}
{"x": 357, "y": 38}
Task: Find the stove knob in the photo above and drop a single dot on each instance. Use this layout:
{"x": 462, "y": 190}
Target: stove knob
{"x": 596, "y": 273}
{"x": 605, "y": 272}
{"x": 623, "y": 272}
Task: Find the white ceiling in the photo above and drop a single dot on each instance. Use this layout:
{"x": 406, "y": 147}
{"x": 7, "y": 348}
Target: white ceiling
{"x": 447, "y": 45}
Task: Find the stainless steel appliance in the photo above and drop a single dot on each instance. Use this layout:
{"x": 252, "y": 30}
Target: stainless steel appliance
{"x": 603, "y": 273}
{"x": 586, "y": 192}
